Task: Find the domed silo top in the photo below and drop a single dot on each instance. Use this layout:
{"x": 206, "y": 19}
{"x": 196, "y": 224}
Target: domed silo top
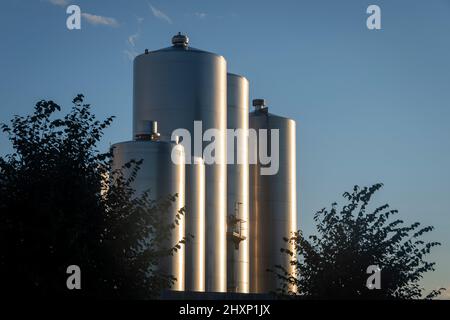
{"x": 180, "y": 42}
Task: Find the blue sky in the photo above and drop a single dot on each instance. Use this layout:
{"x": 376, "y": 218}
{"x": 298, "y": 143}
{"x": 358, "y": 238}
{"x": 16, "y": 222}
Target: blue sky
{"x": 370, "y": 106}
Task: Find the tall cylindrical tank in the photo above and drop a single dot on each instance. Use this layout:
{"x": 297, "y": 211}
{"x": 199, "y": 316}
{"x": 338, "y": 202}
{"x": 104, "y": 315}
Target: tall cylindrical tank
{"x": 273, "y": 208}
{"x": 177, "y": 86}
{"x": 195, "y": 228}
{"x": 237, "y": 188}
{"x": 161, "y": 177}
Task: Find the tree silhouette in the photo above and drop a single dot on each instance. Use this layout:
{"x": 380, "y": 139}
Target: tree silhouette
{"x": 333, "y": 264}
{"x": 60, "y": 204}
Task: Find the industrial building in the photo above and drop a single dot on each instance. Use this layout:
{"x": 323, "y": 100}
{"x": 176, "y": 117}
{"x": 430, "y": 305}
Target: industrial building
{"x": 237, "y": 216}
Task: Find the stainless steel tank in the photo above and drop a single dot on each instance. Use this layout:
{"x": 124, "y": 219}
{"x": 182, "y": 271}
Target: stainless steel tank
{"x": 238, "y": 187}
{"x": 177, "y": 86}
{"x": 195, "y": 228}
{"x": 273, "y": 207}
{"x": 161, "y": 177}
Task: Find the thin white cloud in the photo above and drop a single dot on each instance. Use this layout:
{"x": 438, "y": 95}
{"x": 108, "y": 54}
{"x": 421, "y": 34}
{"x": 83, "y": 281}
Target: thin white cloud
{"x": 132, "y": 39}
{"x": 130, "y": 54}
{"x": 159, "y": 14}
{"x": 200, "y": 15}
{"x": 100, "y": 20}
{"x": 60, "y": 3}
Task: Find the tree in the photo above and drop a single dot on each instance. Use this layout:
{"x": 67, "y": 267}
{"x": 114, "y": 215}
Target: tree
{"x": 333, "y": 264}
{"x": 60, "y": 204}
{"x": 135, "y": 229}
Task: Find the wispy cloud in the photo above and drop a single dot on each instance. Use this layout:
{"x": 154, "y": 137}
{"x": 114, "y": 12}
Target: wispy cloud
{"x": 100, "y": 20}
{"x": 130, "y": 54}
{"x": 159, "y": 14}
{"x": 200, "y": 15}
{"x": 132, "y": 39}
{"x": 60, "y": 3}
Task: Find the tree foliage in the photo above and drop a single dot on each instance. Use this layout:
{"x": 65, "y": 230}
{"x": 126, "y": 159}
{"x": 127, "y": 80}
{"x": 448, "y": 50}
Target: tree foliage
{"x": 61, "y": 204}
{"x": 333, "y": 263}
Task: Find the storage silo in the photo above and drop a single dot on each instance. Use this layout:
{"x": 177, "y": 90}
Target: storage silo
{"x": 160, "y": 177}
{"x": 195, "y": 228}
{"x": 177, "y": 86}
{"x": 273, "y": 207}
{"x": 237, "y": 188}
